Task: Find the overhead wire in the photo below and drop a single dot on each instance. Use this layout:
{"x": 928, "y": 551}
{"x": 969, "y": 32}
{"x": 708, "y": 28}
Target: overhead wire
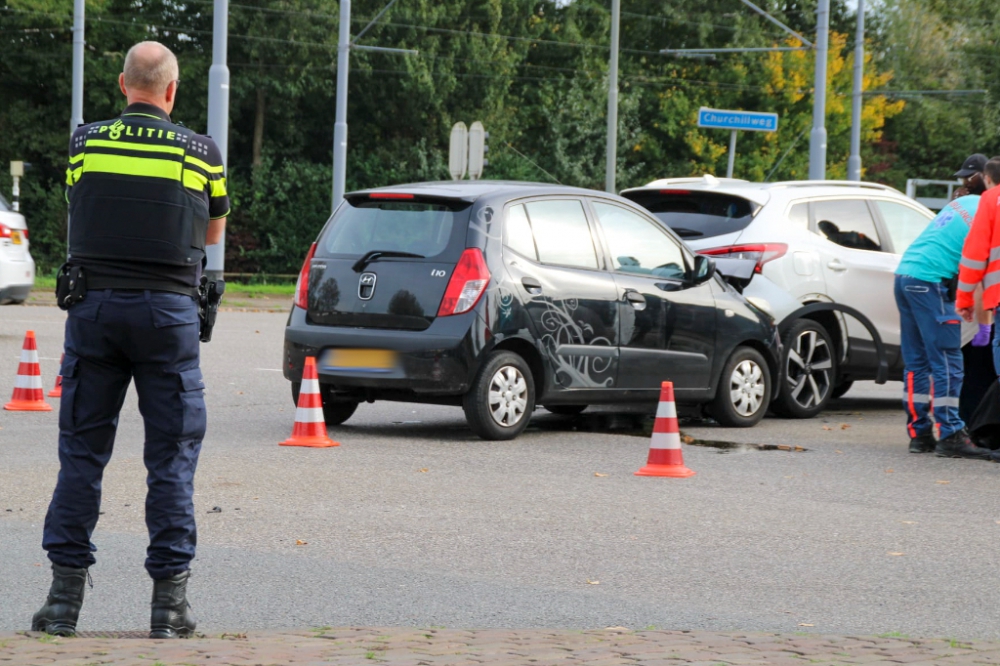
{"x": 329, "y": 46}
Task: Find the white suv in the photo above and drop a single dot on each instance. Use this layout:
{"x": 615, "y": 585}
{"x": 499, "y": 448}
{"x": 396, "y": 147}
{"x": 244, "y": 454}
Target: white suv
{"x": 17, "y": 268}
{"x": 813, "y": 242}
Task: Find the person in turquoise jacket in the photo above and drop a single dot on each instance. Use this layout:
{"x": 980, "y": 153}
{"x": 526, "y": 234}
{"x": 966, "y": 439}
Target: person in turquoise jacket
{"x": 930, "y": 334}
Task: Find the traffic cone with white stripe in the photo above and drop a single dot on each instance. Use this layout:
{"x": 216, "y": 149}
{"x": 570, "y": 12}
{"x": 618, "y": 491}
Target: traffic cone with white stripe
{"x": 665, "y": 455}
{"x": 57, "y": 391}
{"x": 29, "y": 396}
{"x": 310, "y": 427}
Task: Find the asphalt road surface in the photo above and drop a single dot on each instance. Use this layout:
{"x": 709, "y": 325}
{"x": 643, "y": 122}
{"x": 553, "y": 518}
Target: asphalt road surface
{"x": 414, "y": 521}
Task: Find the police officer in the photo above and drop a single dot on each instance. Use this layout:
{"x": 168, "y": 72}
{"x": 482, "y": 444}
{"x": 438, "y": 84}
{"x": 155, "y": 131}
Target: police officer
{"x": 145, "y": 196}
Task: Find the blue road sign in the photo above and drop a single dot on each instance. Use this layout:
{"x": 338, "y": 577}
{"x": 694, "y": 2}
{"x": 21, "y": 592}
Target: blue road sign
{"x": 753, "y": 121}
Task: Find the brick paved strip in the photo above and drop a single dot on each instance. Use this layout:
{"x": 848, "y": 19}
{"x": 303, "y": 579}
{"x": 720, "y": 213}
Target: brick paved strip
{"x": 410, "y": 646}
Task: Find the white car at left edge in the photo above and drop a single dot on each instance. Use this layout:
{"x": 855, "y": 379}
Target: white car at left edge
{"x": 17, "y": 268}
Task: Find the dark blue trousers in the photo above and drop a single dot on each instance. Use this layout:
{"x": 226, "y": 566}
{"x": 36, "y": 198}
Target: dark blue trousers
{"x": 113, "y": 337}
{"x": 931, "y": 341}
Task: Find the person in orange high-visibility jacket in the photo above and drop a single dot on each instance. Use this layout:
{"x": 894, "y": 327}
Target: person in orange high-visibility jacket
{"x": 981, "y": 254}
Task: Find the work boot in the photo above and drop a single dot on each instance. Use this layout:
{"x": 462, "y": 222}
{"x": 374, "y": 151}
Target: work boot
{"x": 923, "y": 443}
{"x": 171, "y": 615}
{"x": 62, "y": 607}
{"x": 958, "y": 445}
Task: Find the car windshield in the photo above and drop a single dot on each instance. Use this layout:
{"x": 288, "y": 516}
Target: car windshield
{"x": 693, "y": 214}
{"x": 416, "y": 228}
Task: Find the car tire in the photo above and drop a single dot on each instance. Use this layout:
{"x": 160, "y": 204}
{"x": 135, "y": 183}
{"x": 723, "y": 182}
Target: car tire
{"x": 841, "y": 389}
{"x": 334, "y": 413}
{"x": 566, "y": 410}
{"x": 744, "y": 391}
{"x": 809, "y": 371}
{"x": 505, "y": 379}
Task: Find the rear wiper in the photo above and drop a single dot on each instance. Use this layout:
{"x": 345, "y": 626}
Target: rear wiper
{"x": 687, "y": 233}
{"x": 369, "y": 257}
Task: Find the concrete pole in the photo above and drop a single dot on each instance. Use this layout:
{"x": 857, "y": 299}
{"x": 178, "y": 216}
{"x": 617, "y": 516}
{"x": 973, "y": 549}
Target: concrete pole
{"x": 218, "y": 115}
{"x": 76, "y": 114}
{"x": 76, "y": 105}
{"x": 854, "y": 161}
{"x": 817, "y": 137}
{"x": 611, "y": 163}
{"x": 340, "y": 124}
{"x": 732, "y": 154}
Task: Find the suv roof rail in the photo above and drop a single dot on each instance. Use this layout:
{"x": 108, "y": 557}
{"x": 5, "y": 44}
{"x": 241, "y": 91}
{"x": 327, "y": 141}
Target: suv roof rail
{"x": 707, "y": 179}
{"x": 831, "y": 183}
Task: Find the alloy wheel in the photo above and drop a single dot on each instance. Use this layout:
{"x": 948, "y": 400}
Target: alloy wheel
{"x": 508, "y": 396}
{"x": 746, "y": 387}
{"x": 807, "y": 371}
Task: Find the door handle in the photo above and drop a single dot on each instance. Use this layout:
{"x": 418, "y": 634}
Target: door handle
{"x": 532, "y": 285}
{"x": 836, "y": 265}
{"x": 636, "y": 300}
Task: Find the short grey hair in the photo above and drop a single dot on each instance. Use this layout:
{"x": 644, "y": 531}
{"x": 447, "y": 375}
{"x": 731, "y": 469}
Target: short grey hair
{"x": 150, "y": 66}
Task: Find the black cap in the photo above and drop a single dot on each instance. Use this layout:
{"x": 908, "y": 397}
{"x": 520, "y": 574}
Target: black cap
{"x": 972, "y": 164}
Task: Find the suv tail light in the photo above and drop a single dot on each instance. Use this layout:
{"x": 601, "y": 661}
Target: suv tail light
{"x": 760, "y": 253}
{"x": 302, "y": 285}
{"x": 4, "y": 231}
{"x": 467, "y": 284}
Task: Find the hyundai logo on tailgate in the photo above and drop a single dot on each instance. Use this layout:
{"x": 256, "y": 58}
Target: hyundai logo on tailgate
{"x": 366, "y": 286}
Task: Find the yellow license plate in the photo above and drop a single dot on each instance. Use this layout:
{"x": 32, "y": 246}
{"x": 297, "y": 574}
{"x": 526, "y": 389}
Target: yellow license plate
{"x": 359, "y": 360}
{"x": 15, "y": 237}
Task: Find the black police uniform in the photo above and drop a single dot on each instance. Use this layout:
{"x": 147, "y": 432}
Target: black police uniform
{"x": 141, "y": 192}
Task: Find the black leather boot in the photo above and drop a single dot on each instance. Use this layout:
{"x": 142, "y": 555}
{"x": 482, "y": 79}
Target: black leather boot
{"x": 171, "y": 615}
{"x": 923, "y": 443}
{"x": 62, "y": 607}
{"x": 958, "y": 445}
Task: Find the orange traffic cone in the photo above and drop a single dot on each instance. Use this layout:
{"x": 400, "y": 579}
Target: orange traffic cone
{"x": 29, "y": 396}
{"x": 57, "y": 391}
{"x": 310, "y": 428}
{"x": 665, "y": 456}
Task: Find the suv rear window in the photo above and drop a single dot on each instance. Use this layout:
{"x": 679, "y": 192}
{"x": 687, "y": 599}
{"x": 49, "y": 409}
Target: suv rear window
{"x": 693, "y": 214}
{"x": 4, "y": 206}
{"x": 420, "y": 228}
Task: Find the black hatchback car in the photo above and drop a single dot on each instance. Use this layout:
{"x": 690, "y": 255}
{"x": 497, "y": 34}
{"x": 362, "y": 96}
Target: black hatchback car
{"x": 500, "y": 296}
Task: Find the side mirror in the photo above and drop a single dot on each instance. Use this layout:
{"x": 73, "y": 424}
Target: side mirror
{"x": 704, "y": 269}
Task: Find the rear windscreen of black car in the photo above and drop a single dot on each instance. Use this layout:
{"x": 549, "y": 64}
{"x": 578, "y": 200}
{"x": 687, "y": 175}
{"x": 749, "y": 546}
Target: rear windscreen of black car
{"x": 421, "y": 228}
{"x": 693, "y": 214}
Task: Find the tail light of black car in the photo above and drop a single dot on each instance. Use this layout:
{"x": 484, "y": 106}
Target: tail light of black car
{"x": 302, "y": 284}
{"x": 467, "y": 284}
{"x": 758, "y": 252}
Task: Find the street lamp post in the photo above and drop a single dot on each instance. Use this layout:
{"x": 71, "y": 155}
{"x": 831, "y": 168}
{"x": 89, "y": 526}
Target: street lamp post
{"x": 340, "y": 124}
{"x": 817, "y": 137}
{"x": 76, "y": 113}
{"x": 218, "y": 116}
{"x": 611, "y": 161}
{"x": 344, "y": 46}
{"x": 854, "y": 161}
